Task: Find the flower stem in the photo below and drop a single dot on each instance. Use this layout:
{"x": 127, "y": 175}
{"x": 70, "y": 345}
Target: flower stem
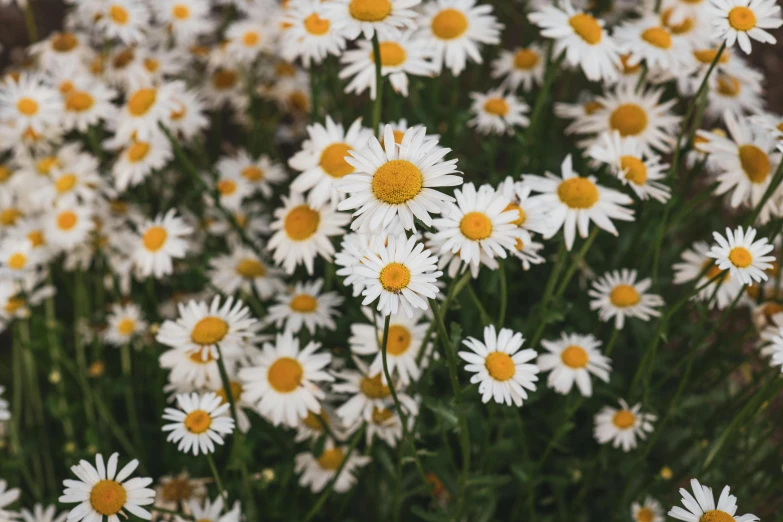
{"x": 503, "y": 294}
{"x": 315, "y": 95}
{"x": 221, "y": 491}
{"x": 376, "y": 108}
{"x": 130, "y": 402}
{"x": 29, "y": 20}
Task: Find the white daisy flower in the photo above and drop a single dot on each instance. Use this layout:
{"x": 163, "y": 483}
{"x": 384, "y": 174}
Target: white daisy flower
{"x": 497, "y": 112}
{"x": 701, "y": 507}
{"x": 385, "y": 425}
{"x": 186, "y": 19}
{"x": 138, "y": 158}
{"x": 740, "y": 91}
{"x": 310, "y": 33}
{"x": 103, "y": 492}
{"x": 305, "y": 305}
{"x": 7, "y": 496}
{"x": 200, "y": 422}
{"x": 527, "y": 250}
{"x": 19, "y": 257}
{"x": 248, "y": 38}
{"x": 283, "y": 380}
{"x": 648, "y": 40}
{"x": 522, "y": 66}
{"x": 232, "y": 189}
{"x": 87, "y": 105}
{"x": 617, "y": 294}
{"x": 29, "y": 104}
{"x": 159, "y": 242}
{"x": 175, "y": 492}
{"x": 188, "y": 119}
{"x": 745, "y": 258}
{"x": 772, "y": 337}
{"x": 190, "y": 370}
{"x": 650, "y": 511}
{"x": 397, "y": 182}
{"x": 622, "y": 426}
{"x": 694, "y": 261}
{"x": 575, "y": 201}
{"x": 302, "y": 232}
{"x": 369, "y": 393}
{"x": 260, "y": 173}
{"x": 41, "y": 514}
{"x": 581, "y": 37}
{"x": 124, "y": 322}
{"x": 572, "y": 358}
{"x": 77, "y": 181}
{"x": 144, "y": 109}
{"x": 501, "y": 369}
{"x": 737, "y": 21}
{"x": 212, "y": 511}
{"x": 127, "y": 20}
{"x": 68, "y": 226}
{"x": 241, "y": 403}
{"x": 386, "y": 17}
{"x": 532, "y": 215}
{"x": 310, "y": 427}
{"x": 63, "y": 47}
{"x": 317, "y": 472}
{"x": 242, "y": 271}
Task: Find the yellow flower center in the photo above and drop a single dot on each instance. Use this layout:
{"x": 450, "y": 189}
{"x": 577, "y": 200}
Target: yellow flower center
{"x": 624, "y": 295}
{"x": 198, "y": 357}
{"x": 592, "y": 107}
{"x": 574, "y": 357}
{"x": 392, "y": 54}
{"x": 13, "y": 304}
{"x": 449, "y": 24}
{"x": 154, "y": 238}
{"x": 119, "y": 14}
{"x": 65, "y": 87}
{"x": 475, "y": 226}
{"x": 224, "y": 79}
{"x": 658, "y": 37}
{"x": 108, "y": 497}
{"x": 176, "y": 490}
{"x": 728, "y": 85}
{"x": 525, "y": 59}
{"x": 9, "y": 216}
{"x": 397, "y": 181}
{"x": 141, "y": 101}
{"x": 331, "y": 459}
{"x": 45, "y": 165}
{"x": 285, "y": 375}
{"x": 373, "y": 388}
{"x": 151, "y": 64}
{"x": 740, "y": 257}
{"x": 635, "y": 169}
{"x": 578, "y": 192}
{"x": 496, "y": 106}
{"x": 381, "y": 415}
{"x": 298, "y": 101}
{"x": 716, "y": 516}
{"x": 65, "y": 183}
{"x": 123, "y": 58}
{"x": 301, "y": 223}
{"x": 27, "y": 106}
{"x": 370, "y": 10}
{"x": 17, "y": 261}
{"x": 226, "y": 187}
{"x": 645, "y": 515}
{"x": 683, "y": 27}
{"x": 209, "y": 330}
{"x": 399, "y": 340}
{"x": 312, "y": 422}
{"x": 236, "y": 392}
{"x": 623, "y": 419}
{"x": 64, "y": 42}
{"x": 707, "y": 56}
{"x": 66, "y": 220}
{"x": 138, "y": 151}
{"x": 180, "y": 12}
{"x": 252, "y": 173}
{"x": 628, "y": 119}
{"x": 519, "y": 244}
{"x": 126, "y": 326}
{"x": 500, "y": 366}
{"x": 522, "y": 216}
{"x": 198, "y": 421}
{"x": 79, "y": 101}
{"x": 742, "y": 18}
{"x": 36, "y": 238}
{"x": 586, "y": 27}
{"x": 303, "y": 303}
{"x": 316, "y": 25}
{"x": 333, "y": 160}
{"x": 394, "y": 277}
{"x": 627, "y": 67}
{"x": 251, "y": 38}
{"x": 250, "y": 268}
{"x": 755, "y": 163}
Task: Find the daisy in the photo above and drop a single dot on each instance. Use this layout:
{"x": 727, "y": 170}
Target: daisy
{"x": 188, "y": 118}
{"x": 523, "y": 66}
{"x": 7, "y": 496}
{"x": 622, "y": 426}
{"x": 231, "y": 188}
{"x": 18, "y": 257}
{"x": 158, "y": 242}
{"x": 243, "y": 271}
{"x": 626, "y": 161}
{"x": 617, "y": 294}
{"x": 575, "y": 201}
{"x": 144, "y": 110}
{"x": 404, "y": 343}
{"x": 302, "y": 231}
{"x": 310, "y": 34}
{"x": 386, "y": 17}
{"x": 740, "y": 20}
{"x": 127, "y": 20}
{"x": 322, "y": 159}
{"x": 174, "y": 492}
{"x": 527, "y": 250}
{"x": 694, "y": 261}
{"x": 701, "y": 507}
{"x": 283, "y": 380}
{"x": 138, "y": 158}
{"x": 103, "y": 492}
{"x": 259, "y": 173}
{"x": 190, "y": 370}
{"x": 572, "y": 358}
{"x": 39, "y": 514}
{"x": 201, "y": 328}
{"x": 60, "y": 47}
{"x": 212, "y": 511}
{"x": 532, "y": 215}
{"x": 199, "y": 423}
{"x": 397, "y": 182}
{"x": 400, "y": 57}
{"x": 77, "y": 181}
{"x": 454, "y": 31}
{"x": 772, "y": 336}
{"x": 738, "y": 92}
{"x": 501, "y": 369}
{"x": 647, "y": 40}
{"x": 497, "y": 112}
{"x": 186, "y": 19}
{"x": 581, "y": 37}
{"x": 305, "y": 305}
{"x": 385, "y": 425}
{"x": 29, "y": 104}
{"x": 369, "y": 393}
{"x": 745, "y": 258}
{"x": 317, "y": 472}
{"x": 240, "y": 402}
{"x": 124, "y": 323}
{"x": 650, "y": 511}
{"x": 68, "y": 226}
{"x": 88, "y": 105}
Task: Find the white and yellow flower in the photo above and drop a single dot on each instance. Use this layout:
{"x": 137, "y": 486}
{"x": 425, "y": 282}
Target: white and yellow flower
{"x": 496, "y": 112}
{"x": 158, "y": 242}
{"x": 623, "y": 426}
{"x": 317, "y": 472}
{"x": 200, "y": 422}
{"x": 522, "y": 66}
{"x": 739, "y": 21}
{"x": 701, "y": 506}
{"x": 744, "y": 257}
{"x": 618, "y": 294}
{"x": 124, "y": 322}
{"x": 305, "y": 305}
{"x": 573, "y": 358}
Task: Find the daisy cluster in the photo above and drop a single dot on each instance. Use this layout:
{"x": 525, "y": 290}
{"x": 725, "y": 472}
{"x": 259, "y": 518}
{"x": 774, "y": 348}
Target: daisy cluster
{"x": 309, "y": 234}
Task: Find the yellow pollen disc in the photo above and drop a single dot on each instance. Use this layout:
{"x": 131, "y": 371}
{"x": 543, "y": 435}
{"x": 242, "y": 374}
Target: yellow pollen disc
{"x": 475, "y": 226}
{"x": 65, "y": 183}
{"x": 180, "y": 12}
{"x": 683, "y": 27}
{"x": 36, "y": 238}
{"x": 17, "y": 261}
{"x": 301, "y": 223}
{"x": 226, "y": 187}
{"x": 742, "y": 19}
{"x": 740, "y": 257}
{"x": 586, "y": 27}
{"x": 780, "y": 127}
{"x": 224, "y": 79}
{"x": 198, "y": 421}
{"x": 707, "y": 56}
{"x": 525, "y": 59}
{"x": 45, "y": 165}
{"x": 236, "y": 392}
{"x": 9, "y": 216}
{"x": 578, "y": 192}
{"x": 333, "y": 160}
{"x": 714, "y": 271}
{"x": 522, "y": 216}
{"x": 27, "y": 106}
{"x": 628, "y": 119}
{"x": 755, "y": 163}
{"x": 449, "y": 24}
{"x": 592, "y": 107}
{"x": 379, "y": 416}
{"x": 108, "y": 497}
{"x": 138, "y": 151}
{"x": 635, "y": 169}
{"x": 370, "y": 10}
{"x": 394, "y": 277}
{"x": 304, "y": 303}
{"x": 298, "y": 101}
{"x": 14, "y": 304}
{"x": 312, "y": 422}
{"x": 119, "y": 14}
{"x": 252, "y": 173}
{"x": 496, "y": 106}
{"x": 399, "y": 340}
{"x": 716, "y": 516}
{"x": 198, "y": 357}
{"x": 624, "y": 295}
{"x": 126, "y": 326}
{"x": 251, "y": 38}
{"x": 154, "y": 238}
{"x": 728, "y": 85}
{"x": 331, "y": 459}
{"x": 209, "y": 330}
{"x": 316, "y": 25}
{"x": 79, "y": 101}
{"x": 627, "y": 68}
{"x": 645, "y": 515}
{"x": 123, "y": 58}
{"x": 623, "y": 419}
{"x": 64, "y": 42}
{"x": 519, "y": 244}
{"x": 392, "y": 54}
{"x": 397, "y": 181}
{"x": 500, "y": 366}
{"x": 141, "y": 101}
{"x": 250, "y": 268}
{"x": 574, "y": 357}
{"x": 373, "y": 388}
{"x": 67, "y": 220}
{"x": 5, "y": 173}
{"x": 176, "y": 490}
{"x": 285, "y": 375}
{"x": 658, "y": 37}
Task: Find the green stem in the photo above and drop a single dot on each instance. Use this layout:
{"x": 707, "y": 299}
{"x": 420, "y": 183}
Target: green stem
{"x": 543, "y": 94}
{"x": 80, "y": 309}
{"x": 776, "y": 179}
{"x": 575, "y": 262}
{"x": 130, "y": 401}
{"x": 376, "y": 107}
{"x": 221, "y": 490}
{"x": 485, "y": 318}
{"x": 611, "y": 343}
{"x": 503, "y": 294}
{"x": 227, "y": 387}
{"x": 53, "y": 343}
{"x": 16, "y": 418}
{"x": 315, "y": 95}
{"x": 29, "y": 20}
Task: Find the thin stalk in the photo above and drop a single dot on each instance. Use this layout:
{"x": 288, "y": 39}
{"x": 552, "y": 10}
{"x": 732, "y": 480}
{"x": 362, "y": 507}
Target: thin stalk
{"x": 80, "y": 309}
{"x": 547, "y": 295}
{"x": 503, "y": 295}
{"x": 29, "y": 21}
{"x": 130, "y": 401}
{"x": 221, "y": 490}
{"x": 315, "y": 95}
{"x": 53, "y": 343}
{"x": 611, "y": 343}
{"x": 376, "y": 107}
{"x": 16, "y": 418}
{"x": 576, "y": 260}
{"x": 776, "y": 179}
{"x": 543, "y": 94}
{"x": 227, "y": 386}
{"x": 485, "y": 318}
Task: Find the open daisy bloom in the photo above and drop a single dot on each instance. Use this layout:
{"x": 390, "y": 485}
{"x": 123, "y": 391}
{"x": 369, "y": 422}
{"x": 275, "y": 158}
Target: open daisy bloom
{"x": 318, "y": 471}
{"x": 622, "y": 426}
{"x": 497, "y": 112}
{"x": 573, "y": 358}
{"x": 305, "y": 305}
{"x": 368, "y": 17}
{"x": 160, "y": 241}
{"x": 739, "y": 21}
{"x": 650, "y": 511}
{"x": 617, "y": 294}
{"x": 200, "y": 422}
{"x": 523, "y": 66}
{"x": 701, "y": 507}
{"x": 7, "y": 496}
{"x": 744, "y": 257}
